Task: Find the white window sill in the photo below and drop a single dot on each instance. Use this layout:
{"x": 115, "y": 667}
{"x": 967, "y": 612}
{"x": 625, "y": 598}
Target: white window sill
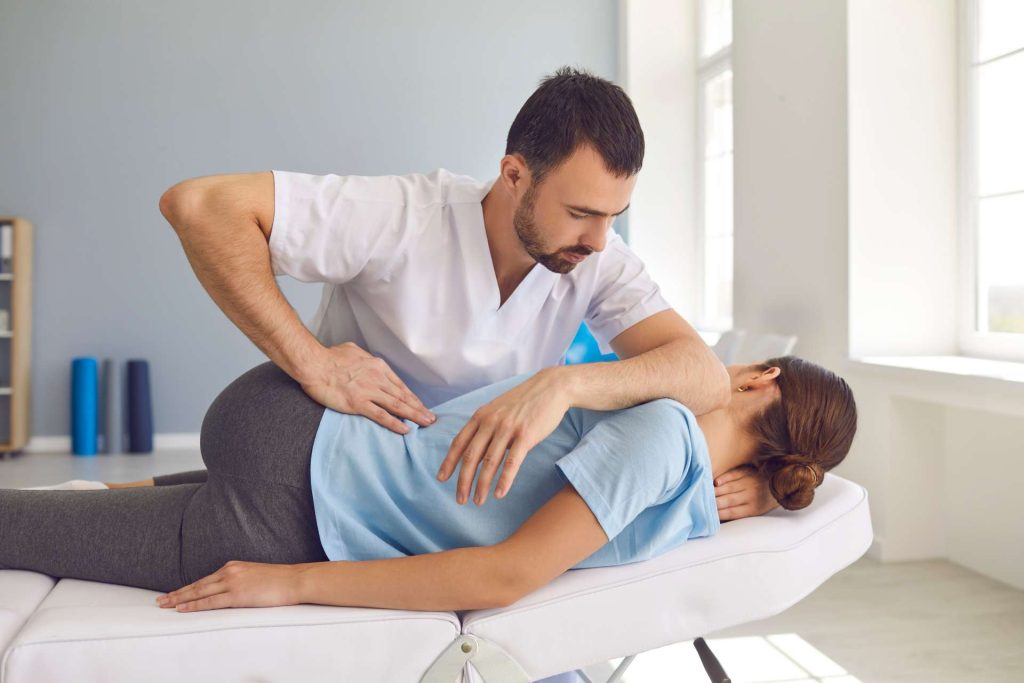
{"x": 975, "y": 383}
{"x": 1008, "y": 371}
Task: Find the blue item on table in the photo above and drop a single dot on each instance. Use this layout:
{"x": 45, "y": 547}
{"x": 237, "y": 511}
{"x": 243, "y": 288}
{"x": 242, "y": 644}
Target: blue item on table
{"x": 585, "y": 349}
{"x": 84, "y": 405}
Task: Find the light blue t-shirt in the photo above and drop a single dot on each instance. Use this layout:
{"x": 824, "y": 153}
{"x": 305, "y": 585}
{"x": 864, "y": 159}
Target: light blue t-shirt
{"x": 644, "y": 472}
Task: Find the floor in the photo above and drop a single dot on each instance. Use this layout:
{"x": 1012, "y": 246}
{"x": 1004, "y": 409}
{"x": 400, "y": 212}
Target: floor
{"x": 889, "y": 623}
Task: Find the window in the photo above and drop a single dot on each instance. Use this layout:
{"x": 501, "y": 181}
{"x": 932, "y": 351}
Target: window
{"x": 992, "y": 178}
{"x": 714, "y": 175}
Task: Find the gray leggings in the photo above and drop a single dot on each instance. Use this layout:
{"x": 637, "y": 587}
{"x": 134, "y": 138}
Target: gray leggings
{"x": 252, "y": 503}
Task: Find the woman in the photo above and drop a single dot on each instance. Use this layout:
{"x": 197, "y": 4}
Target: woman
{"x": 302, "y": 504}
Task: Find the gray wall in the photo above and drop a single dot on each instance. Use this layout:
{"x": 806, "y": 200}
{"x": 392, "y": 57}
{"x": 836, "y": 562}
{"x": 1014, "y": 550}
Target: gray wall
{"x": 103, "y": 105}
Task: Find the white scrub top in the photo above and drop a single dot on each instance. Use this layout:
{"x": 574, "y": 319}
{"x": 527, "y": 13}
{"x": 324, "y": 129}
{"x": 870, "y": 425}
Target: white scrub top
{"x": 408, "y": 277}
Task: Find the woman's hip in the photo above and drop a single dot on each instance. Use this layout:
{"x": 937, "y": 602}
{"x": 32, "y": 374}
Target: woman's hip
{"x": 261, "y": 427}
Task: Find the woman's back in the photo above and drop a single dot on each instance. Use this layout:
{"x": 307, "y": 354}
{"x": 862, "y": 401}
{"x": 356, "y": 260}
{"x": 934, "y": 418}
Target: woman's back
{"x": 643, "y": 471}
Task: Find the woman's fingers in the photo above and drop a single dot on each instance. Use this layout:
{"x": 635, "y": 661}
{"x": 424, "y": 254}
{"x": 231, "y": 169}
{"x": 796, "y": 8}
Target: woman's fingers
{"x": 731, "y": 500}
{"x": 218, "y": 601}
{"x": 732, "y": 475}
{"x": 210, "y": 585}
{"x": 731, "y": 487}
{"x": 735, "y": 512}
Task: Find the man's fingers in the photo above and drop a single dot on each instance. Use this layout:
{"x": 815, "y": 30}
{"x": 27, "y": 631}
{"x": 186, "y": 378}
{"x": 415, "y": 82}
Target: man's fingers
{"x": 492, "y": 459}
{"x": 399, "y": 408}
{"x": 382, "y": 417}
{"x": 467, "y": 465}
{"x": 455, "y": 450}
{"x": 409, "y": 397}
{"x": 515, "y": 457}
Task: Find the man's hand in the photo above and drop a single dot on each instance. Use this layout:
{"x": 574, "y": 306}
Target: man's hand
{"x": 516, "y": 421}
{"x": 350, "y": 380}
{"x": 238, "y": 584}
{"x": 741, "y": 492}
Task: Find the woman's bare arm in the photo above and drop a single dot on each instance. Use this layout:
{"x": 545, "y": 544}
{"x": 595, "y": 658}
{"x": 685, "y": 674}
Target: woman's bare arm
{"x": 556, "y": 537}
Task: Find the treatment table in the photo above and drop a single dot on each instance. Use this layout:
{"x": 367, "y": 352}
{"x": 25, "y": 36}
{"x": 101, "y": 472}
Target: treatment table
{"x": 52, "y": 631}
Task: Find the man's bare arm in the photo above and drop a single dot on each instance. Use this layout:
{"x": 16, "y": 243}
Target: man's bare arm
{"x": 661, "y": 357}
{"x": 224, "y": 223}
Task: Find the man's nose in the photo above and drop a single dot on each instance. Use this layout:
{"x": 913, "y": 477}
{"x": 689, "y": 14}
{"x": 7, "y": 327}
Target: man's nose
{"x": 598, "y": 238}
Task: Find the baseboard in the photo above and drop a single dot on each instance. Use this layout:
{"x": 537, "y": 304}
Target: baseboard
{"x": 161, "y": 442}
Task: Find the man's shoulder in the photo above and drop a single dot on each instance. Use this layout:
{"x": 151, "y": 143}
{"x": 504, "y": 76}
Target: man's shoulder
{"x": 416, "y": 189}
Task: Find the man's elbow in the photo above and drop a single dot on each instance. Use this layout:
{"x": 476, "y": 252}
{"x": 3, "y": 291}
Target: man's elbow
{"x": 178, "y": 202}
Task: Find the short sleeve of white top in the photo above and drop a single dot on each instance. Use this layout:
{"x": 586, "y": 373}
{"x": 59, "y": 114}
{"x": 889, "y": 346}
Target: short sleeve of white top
{"x": 408, "y": 276}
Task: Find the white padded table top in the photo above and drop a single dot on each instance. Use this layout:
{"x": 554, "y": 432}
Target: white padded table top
{"x": 88, "y": 631}
{"x": 20, "y": 594}
{"x": 751, "y": 569}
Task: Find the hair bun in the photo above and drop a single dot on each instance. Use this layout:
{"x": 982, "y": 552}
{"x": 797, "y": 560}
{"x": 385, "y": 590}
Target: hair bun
{"x": 794, "y": 482}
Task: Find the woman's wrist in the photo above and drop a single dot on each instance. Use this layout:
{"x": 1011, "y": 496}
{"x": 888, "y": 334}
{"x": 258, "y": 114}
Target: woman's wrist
{"x": 304, "y": 583}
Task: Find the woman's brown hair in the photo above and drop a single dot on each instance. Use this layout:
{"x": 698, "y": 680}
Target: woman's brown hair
{"x": 805, "y": 433}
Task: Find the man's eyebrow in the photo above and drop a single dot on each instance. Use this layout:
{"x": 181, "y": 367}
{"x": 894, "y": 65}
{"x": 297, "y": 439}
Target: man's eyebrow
{"x": 594, "y": 212}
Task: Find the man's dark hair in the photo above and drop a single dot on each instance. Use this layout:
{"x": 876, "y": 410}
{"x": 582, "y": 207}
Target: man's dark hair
{"x": 570, "y": 108}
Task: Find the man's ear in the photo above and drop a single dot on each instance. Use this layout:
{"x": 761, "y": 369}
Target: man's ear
{"x": 514, "y": 173}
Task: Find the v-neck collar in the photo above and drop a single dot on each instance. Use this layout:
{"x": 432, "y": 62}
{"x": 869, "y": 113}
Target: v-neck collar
{"x": 538, "y": 280}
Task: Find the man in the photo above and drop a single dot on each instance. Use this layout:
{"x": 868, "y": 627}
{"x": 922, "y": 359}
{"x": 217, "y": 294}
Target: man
{"x": 437, "y": 284}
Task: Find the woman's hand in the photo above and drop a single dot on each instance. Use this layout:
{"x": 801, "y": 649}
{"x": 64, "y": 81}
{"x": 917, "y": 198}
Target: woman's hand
{"x": 238, "y": 584}
{"x": 347, "y": 379}
{"x": 741, "y": 492}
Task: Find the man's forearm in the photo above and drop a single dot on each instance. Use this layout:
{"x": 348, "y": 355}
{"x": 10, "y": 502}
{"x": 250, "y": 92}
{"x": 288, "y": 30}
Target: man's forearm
{"x": 230, "y": 257}
{"x": 684, "y": 369}
{"x": 459, "y": 579}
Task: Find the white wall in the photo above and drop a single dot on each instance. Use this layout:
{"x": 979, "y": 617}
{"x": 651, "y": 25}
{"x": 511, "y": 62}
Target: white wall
{"x": 903, "y": 177}
{"x": 789, "y": 94}
{"x": 845, "y": 220}
{"x": 658, "y": 71}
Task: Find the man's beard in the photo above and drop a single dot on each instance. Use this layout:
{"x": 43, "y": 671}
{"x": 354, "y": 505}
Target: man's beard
{"x": 529, "y": 235}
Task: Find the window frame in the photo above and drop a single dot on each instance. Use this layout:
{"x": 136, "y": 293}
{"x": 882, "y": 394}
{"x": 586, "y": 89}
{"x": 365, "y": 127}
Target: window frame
{"x": 707, "y": 69}
{"x": 970, "y": 341}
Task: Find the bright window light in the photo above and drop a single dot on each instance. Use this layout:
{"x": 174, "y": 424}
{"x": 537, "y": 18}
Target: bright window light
{"x": 715, "y": 171}
{"x": 992, "y": 191}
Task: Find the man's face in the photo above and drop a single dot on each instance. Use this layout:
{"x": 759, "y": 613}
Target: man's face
{"x": 568, "y": 216}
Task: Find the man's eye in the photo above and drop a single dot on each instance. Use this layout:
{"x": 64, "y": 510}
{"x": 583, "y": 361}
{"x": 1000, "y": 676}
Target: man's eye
{"x": 577, "y": 215}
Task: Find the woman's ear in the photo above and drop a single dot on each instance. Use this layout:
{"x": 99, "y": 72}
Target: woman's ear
{"x": 765, "y": 378}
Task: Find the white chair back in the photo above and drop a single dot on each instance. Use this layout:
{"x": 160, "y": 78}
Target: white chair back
{"x": 756, "y": 347}
{"x": 727, "y": 345}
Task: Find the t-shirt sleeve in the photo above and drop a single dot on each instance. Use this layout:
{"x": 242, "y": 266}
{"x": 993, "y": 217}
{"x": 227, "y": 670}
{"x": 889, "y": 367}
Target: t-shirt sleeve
{"x": 629, "y": 460}
{"x": 624, "y": 296}
{"x": 332, "y": 228}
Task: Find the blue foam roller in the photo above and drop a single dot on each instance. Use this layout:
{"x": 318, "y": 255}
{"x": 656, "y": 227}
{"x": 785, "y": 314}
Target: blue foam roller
{"x": 84, "y": 405}
{"x": 140, "y": 409}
